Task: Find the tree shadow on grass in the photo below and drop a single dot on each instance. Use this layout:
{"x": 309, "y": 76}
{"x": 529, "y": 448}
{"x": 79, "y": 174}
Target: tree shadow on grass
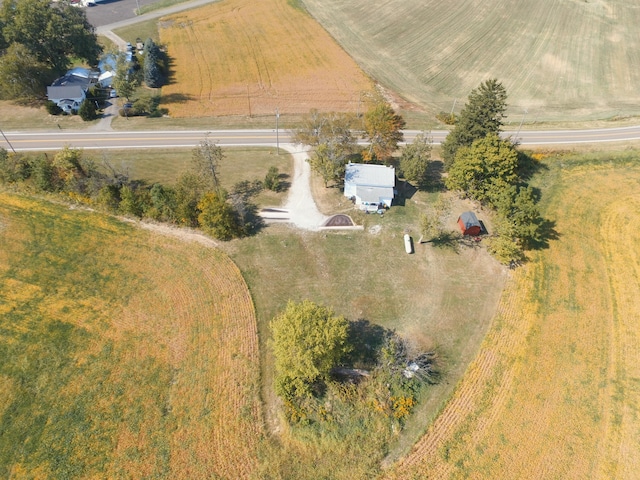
{"x": 176, "y": 98}
{"x": 283, "y": 182}
{"x": 547, "y": 233}
{"x": 447, "y": 241}
{"x": 528, "y": 166}
{"x": 433, "y": 182}
{"x": 367, "y": 338}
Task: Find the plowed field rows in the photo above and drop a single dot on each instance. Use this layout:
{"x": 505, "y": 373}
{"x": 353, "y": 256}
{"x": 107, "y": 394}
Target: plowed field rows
{"x": 557, "y": 59}
{"x": 554, "y": 391}
{"x": 126, "y": 354}
{"x": 241, "y": 57}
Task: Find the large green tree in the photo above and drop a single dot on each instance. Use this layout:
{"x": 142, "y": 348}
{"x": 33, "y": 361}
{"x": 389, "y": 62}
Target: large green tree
{"x": 151, "y": 68}
{"x": 308, "y": 342}
{"x": 329, "y": 161}
{"x": 519, "y": 215}
{"x": 217, "y": 217}
{"x": 383, "y": 129}
{"x": 482, "y": 115}
{"x": 54, "y": 33}
{"x": 485, "y": 169}
{"x": 125, "y": 81}
{"x": 22, "y": 76}
{"x": 415, "y": 160}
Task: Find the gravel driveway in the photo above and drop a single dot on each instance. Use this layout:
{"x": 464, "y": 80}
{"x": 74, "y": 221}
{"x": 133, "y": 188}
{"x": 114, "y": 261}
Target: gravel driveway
{"x": 303, "y": 212}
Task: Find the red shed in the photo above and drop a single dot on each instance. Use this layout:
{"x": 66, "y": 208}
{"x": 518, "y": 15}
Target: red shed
{"x": 469, "y": 224}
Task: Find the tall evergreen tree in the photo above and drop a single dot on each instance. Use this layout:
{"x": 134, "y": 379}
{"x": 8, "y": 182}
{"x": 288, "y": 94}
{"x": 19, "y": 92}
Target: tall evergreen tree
{"x": 152, "y": 73}
{"x": 482, "y": 115}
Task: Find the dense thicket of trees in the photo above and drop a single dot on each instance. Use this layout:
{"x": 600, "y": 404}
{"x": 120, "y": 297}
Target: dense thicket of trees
{"x": 334, "y": 144}
{"x": 482, "y": 115}
{"x": 491, "y": 170}
{"x": 22, "y": 75}
{"x": 38, "y": 40}
{"x": 315, "y": 352}
{"x": 194, "y": 201}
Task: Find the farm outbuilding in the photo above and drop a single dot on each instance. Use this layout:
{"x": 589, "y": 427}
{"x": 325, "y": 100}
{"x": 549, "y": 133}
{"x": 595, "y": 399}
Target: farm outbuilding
{"x": 469, "y": 224}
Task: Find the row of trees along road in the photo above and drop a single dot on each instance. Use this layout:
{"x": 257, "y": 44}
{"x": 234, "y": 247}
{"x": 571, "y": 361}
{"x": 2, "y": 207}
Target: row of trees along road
{"x": 38, "y": 40}
{"x": 196, "y": 200}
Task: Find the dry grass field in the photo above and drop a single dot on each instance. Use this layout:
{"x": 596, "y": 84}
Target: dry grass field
{"x": 123, "y": 354}
{"x": 564, "y": 60}
{"x": 241, "y": 57}
{"x": 555, "y": 389}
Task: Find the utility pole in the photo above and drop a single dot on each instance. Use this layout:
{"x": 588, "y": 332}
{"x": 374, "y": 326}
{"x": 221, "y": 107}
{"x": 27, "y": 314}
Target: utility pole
{"x": 521, "y": 122}
{"x": 138, "y": 10}
{"x": 7, "y": 140}
{"x": 277, "y": 134}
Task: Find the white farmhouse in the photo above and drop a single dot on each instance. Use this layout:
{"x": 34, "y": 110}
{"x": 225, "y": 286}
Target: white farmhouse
{"x": 67, "y": 97}
{"x": 369, "y": 185}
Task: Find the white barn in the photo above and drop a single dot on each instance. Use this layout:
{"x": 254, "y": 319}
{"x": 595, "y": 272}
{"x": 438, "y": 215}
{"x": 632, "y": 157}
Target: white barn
{"x": 369, "y": 184}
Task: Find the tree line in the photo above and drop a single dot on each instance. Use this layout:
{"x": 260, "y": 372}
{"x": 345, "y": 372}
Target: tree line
{"x": 196, "y": 200}
{"x": 492, "y": 171}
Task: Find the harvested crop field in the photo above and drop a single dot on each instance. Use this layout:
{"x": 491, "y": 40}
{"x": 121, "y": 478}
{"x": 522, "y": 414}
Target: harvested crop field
{"x": 555, "y": 389}
{"x": 241, "y": 57}
{"x": 123, "y": 354}
{"x": 558, "y": 59}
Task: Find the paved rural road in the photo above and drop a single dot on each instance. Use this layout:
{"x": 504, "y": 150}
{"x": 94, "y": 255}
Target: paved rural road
{"x": 20, "y": 141}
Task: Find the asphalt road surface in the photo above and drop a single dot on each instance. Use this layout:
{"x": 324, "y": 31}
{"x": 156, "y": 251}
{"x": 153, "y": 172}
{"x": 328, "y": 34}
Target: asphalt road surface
{"x": 101, "y": 140}
{"x": 112, "y": 11}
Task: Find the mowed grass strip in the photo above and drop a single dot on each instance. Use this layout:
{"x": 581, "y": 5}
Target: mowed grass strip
{"x": 554, "y": 391}
{"x": 122, "y": 353}
{"x": 557, "y": 59}
{"x": 241, "y": 57}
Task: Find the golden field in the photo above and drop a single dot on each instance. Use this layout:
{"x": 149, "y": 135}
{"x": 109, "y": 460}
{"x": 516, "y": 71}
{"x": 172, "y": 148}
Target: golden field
{"x": 241, "y": 57}
{"x": 123, "y": 354}
{"x": 555, "y": 389}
